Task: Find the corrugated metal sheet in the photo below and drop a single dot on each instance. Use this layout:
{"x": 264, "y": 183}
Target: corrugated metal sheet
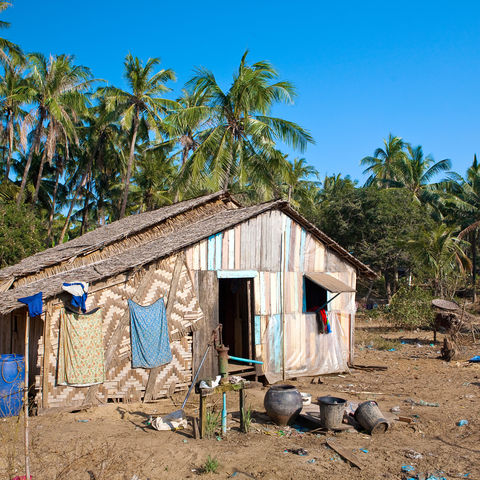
{"x": 329, "y": 283}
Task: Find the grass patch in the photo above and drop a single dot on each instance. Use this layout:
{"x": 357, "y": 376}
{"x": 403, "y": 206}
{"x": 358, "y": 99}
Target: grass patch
{"x": 247, "y": 418}
{"x": 212, "y": 423}
{"x": 211, "y": 465}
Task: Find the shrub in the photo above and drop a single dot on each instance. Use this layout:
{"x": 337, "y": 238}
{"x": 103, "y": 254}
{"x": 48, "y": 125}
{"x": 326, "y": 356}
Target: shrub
{"x": 411, "y": 308}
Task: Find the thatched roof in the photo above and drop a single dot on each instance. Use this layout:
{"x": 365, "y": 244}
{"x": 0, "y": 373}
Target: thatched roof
{"x": 134, "y": 258}
{"x": 103, "y": 236}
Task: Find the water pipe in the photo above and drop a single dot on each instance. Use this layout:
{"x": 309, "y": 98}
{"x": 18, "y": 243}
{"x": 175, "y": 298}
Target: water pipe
{"x": 246, "y": 360}
{"x": 224, "y": 414}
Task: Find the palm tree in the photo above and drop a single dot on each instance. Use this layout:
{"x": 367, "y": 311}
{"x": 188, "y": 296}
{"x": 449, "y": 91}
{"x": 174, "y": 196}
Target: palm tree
{"x": 141, "y": 106}
{"x": 241, "y": 143}
{"x": 383, "y": 166}
{"x": 414, "y": 172}
{"x": 186, "y": 128}
{"x": 462, "y": 203}
{"x": 58, "y": 89}
{"x": 153, "y": 179}
{"x": 8, "y": 50}
{"x": 300, "y": 179}
{"x": 14, "y": 94}
{"x": 442, "y": 254}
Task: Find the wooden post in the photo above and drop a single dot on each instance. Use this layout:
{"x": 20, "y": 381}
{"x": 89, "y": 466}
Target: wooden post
{"x": 203, "y": 415}
{"x": 46, "y": 356}
{"x": 241, "y": 394}
{"x": 249, "y": 319}
{"x": 152, "y": 377}
{"x": 25, "y": 396}
{"x": 284, "y": 273}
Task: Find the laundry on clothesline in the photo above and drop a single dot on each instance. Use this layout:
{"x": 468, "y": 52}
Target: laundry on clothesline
{"x": 79, "y": 292}
{"x": 34, "y": 304}
{"x": 149, "y": 335}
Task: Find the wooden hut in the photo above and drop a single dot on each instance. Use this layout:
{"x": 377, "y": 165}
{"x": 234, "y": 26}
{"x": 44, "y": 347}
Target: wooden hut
{"x": 257, "y": 270}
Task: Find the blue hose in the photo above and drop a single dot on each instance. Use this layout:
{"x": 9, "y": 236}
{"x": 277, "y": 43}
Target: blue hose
{"x": 246, "y": 360}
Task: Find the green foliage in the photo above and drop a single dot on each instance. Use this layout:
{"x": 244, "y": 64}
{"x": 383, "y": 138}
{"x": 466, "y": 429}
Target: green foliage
{"x": 411, "y": 307}
{"x": 21, "y": 233}
{"x": 211, "y": 465}
{"x": 247, "y": 418}
{"x": 375, "y": 225}
{"x": 212, "y": 423}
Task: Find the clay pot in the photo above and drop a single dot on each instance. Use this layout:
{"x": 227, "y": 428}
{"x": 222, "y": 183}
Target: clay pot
{"x": 283, "y": 403}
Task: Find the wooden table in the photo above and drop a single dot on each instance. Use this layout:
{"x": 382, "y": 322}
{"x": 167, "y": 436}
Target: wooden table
{"x": 227, "y": 387}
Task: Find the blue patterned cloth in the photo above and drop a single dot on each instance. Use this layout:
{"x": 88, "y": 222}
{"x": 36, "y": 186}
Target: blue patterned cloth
{"x": 34, "y": 303}
{"x": 149, "y": 334}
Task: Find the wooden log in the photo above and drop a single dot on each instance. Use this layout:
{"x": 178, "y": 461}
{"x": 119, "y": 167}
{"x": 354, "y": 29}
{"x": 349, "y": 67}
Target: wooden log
{"x": 369, "y": 367}
{"x": 116, "y": 338}
{"x": 152, "y": 377}
{"x": 344, "y": 453}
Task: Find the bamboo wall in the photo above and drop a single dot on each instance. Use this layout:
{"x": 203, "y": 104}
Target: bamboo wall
{"x": 280, "y": 251}
{"x": 123, "y": 383}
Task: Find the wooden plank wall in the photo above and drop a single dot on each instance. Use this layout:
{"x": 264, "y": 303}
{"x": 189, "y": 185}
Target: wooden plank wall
{"x": 258, "y": 245}
{"x": 207, "y": 287}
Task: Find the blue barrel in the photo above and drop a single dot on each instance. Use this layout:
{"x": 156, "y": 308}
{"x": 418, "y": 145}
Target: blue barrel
{"x": 12, "y": 376}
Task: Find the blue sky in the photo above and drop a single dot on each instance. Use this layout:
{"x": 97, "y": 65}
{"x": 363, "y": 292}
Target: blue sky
{"x": 361, "y": 69}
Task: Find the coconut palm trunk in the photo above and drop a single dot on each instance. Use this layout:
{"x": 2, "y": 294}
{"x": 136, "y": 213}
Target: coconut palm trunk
{"x": 39, "y": 176}
{"x": 10, "y": 144}
{"x": 74, "y": 200}
{"x": 50, "y": 145}
{"x": 33, "y": 148}
{"x": 84, "y": 227}
{"x": 52, "y": 211}
{"x": 130, "y": 164}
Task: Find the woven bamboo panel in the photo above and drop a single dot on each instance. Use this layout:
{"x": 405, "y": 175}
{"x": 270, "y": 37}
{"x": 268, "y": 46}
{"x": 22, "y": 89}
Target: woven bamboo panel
{"x": 122, "y": 382}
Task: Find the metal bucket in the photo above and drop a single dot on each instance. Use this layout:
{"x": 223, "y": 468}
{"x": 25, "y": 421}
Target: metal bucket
{"x": 331, "y": 411}
{"x": 369, "y": 416}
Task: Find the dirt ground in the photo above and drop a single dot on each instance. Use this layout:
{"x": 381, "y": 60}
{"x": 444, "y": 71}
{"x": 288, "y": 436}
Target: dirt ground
{"x": 112, "y": 442}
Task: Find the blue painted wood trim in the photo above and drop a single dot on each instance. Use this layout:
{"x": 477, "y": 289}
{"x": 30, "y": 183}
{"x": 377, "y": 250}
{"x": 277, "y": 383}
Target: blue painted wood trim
{"x": 236, "y": 273}
{"x": 258, "y": 330}
{"x": 218, "y": 251}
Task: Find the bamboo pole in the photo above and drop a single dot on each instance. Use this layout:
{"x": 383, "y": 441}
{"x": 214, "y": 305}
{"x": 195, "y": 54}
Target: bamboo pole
{"x": 284, "y": 271}
{"x": 25, "y": 396}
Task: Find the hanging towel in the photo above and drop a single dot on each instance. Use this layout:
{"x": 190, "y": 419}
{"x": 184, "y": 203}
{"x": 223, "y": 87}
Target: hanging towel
{"x": 149, "y": 334}
{"x": 80, "y": 352}
{"x": 79, "y": 291}
{"x": 34, "y": 303}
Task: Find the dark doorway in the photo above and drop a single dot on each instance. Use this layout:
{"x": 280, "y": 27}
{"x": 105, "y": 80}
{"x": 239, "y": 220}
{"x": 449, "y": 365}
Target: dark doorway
{"x": 235, "y": 312}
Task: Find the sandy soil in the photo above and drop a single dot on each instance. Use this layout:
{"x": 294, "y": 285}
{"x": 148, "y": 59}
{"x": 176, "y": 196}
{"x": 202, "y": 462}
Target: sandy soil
{"x": 112, "y": 442}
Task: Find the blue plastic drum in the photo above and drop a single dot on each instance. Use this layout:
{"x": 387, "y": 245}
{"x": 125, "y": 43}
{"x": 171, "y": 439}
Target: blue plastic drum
{"x": 12, "y": 376}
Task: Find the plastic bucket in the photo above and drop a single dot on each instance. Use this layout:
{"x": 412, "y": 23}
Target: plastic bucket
{"x": 331, "y": 411}
{"x": 12, "y": 376}
{"x": 369, "y": 416}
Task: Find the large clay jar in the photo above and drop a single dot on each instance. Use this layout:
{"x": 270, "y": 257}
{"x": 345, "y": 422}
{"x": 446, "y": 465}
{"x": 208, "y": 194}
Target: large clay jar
{"x": 283, "y": 403}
